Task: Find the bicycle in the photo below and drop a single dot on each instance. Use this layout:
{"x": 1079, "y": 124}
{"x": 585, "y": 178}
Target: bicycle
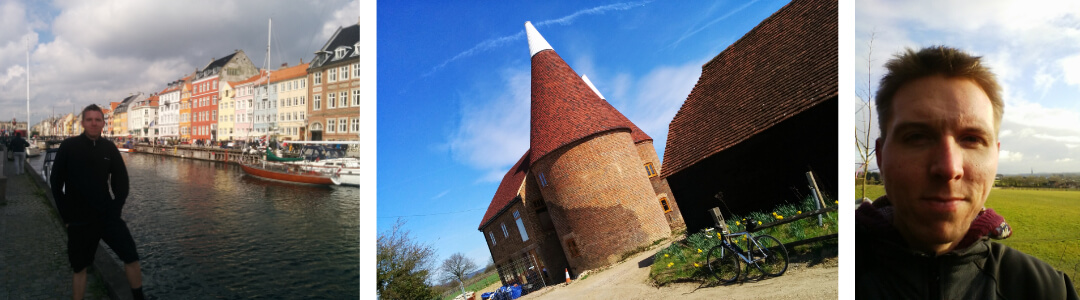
{"x": 764, "y": 252}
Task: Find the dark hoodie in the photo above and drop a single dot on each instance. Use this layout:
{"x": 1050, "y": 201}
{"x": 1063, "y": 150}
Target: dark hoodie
{"x": 83, "y": 173}
{"x": 886, "y": 268}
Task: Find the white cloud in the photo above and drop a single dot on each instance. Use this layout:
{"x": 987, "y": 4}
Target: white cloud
{"x": 493, "y": 131}
{"x": 1009, "y": 156}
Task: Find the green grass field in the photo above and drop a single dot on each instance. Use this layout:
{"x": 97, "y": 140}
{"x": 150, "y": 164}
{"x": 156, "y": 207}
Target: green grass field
{"x": 1044, "y": 223}
{"x": 478, "y": 282}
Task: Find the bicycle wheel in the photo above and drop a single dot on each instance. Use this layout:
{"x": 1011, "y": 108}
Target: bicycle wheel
{"x": 723, "y": 264}
{"x": 772, "y": 255}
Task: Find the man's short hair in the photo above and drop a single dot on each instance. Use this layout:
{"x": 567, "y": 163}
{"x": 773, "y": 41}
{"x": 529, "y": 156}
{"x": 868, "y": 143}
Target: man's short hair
{"x": 92, "y": 107}
{"x": 935, "y": 60}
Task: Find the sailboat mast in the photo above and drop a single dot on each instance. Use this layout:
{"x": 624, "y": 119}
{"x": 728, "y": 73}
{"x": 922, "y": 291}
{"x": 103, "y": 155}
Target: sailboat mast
{"x": 27, "y": 87}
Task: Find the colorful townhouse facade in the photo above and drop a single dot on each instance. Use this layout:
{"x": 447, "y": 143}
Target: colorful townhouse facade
{"x": 242, "y": 113}
{"x": 265, "y": 110}
{"x": 184, "y": 123}
{"x": 291, "y": 83}
{"x": 169, "y": 111}
{"x": 205, "y": 96}
{"x": 334, "y": 93}
{"x": 142, "y": 115}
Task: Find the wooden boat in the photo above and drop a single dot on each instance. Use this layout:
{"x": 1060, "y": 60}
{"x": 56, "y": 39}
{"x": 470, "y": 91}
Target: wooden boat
{"x": 286, "y": 173}
{"x": 320, "y": 156}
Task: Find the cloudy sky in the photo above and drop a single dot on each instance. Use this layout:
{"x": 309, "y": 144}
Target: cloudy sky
{"x": 453, "y": 86}
{"x": 84, "y": 52}
{"x": 1034, "y": 50}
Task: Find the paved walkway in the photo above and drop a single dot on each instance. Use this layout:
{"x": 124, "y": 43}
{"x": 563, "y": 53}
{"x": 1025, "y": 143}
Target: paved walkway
{"x": 33, "y": 245}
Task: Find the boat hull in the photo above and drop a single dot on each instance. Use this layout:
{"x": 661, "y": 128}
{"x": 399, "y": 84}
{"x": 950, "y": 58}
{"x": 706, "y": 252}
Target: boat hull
{"x": 301, "y": 178}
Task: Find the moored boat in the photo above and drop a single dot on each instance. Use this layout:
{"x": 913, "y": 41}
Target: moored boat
{"x": 287, "y": 173}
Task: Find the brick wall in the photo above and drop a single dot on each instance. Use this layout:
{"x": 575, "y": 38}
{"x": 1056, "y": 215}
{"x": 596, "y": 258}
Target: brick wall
{"x": 598, "y": 195}
{"x": 647, "y": 152}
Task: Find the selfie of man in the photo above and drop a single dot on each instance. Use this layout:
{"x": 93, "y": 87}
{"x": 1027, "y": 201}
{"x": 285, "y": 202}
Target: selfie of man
{"x": 931, "y": 235}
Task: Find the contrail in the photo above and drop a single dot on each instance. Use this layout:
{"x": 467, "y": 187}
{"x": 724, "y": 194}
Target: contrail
{"x": 721, "y": 18}
{"x": 566, "y": 20}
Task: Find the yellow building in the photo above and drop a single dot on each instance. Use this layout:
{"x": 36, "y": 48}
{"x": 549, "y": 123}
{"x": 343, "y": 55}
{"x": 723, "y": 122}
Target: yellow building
{"x": 291, "y": 83}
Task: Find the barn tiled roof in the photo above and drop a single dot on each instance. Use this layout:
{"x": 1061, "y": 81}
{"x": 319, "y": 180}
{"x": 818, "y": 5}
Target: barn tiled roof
{"x": 507, "y": 190}
{"x": 782, "y": 67}
{"x": 564, "y": 108}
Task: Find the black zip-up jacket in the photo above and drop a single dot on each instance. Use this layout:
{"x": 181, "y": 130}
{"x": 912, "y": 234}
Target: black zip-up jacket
{"x": 886, "y": 268}
{"x": 18, "y": 144}
{"x": 83, "y": 172}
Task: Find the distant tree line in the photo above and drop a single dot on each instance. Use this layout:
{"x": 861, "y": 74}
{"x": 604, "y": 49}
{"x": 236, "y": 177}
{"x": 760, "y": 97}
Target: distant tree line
{"x": 1048, "y": 181}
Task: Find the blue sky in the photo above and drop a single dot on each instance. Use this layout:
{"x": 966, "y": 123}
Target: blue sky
{"x": 453, "y": 92}
{"x": 1034, "y": 50}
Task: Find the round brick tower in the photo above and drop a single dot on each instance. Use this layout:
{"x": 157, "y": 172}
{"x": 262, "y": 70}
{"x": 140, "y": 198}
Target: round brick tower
{"x": 590, "y": 173}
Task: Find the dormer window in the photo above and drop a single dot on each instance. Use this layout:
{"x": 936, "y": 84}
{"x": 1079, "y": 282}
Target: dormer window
{"x": 356, "y": 48}
{"x": 340, "y": 52}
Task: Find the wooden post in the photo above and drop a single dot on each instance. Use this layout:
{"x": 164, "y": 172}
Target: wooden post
{"x": 817, "y": 194}
{"x": 817, "y": 191}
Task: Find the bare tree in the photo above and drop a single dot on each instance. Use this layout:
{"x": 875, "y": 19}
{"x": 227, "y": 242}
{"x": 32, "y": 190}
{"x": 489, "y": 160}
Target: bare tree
{"x": 402, "y": 265}
{"x": 457, "y": 266}
{"x": 862, "y": 137}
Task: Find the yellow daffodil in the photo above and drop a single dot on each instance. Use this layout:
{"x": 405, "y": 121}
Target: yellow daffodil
{"x": 696, "y": 265}
{"x": 759, "y": 222}
{"x": 736, "y": 223}
{"x": 670, "y": 264}
{"x": 665, "y": 255}
{"x": 780, "y": 217}
{"x": 800, "y": 212}
{"x": 698, "y": 250}
{"x": 836, "y": 202}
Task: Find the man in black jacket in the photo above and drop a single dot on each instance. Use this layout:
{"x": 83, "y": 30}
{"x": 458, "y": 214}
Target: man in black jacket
{"x": 85, "y": 169}
{"x": 939, "y": 112}
{"x": 17, "y": 145}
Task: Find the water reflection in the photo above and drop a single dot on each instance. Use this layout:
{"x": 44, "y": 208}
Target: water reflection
{"x": 207, "y": 230}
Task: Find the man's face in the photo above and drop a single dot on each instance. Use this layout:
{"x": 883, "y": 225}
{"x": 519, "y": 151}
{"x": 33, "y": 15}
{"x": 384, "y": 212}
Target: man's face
{"x": 938, "y": 159}
{"x": 93, "y": 122}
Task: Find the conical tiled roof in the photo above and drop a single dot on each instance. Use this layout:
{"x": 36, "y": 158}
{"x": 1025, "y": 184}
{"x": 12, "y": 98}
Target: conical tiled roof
{"x": 564, "y": 108}
{"x": 635, "y": 132}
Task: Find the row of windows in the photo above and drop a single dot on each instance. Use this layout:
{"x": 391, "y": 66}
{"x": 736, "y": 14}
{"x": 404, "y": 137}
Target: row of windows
{"x": 337, "y": 74}
{"x": 342, "y": 126}
{"x": 506, "y": 233}
{"x": 206, "y": 86}
{"x": 337, "y": 100}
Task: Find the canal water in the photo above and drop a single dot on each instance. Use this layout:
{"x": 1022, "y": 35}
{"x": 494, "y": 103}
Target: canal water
{"x": 205, "y": 230}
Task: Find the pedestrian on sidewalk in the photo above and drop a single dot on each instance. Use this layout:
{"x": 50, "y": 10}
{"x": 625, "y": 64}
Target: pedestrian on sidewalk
{"x": 18, "y": 147}
{"x": 86, "y": 168}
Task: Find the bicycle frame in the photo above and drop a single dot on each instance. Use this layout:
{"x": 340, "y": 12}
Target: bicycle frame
{"x": 739, "y": 251}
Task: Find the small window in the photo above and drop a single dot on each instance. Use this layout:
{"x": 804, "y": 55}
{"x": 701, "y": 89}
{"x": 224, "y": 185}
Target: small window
{"x": 543, "y": 181}
{"x": 505, "y": 232}
{"x": 521, "y": 226}
{"x": 318, "y": 77}
{"x": 664, "y": 204}
{"x": 649, "y": 170}
{"x": 572, "y": 247}
{"x": 492, "y": 236}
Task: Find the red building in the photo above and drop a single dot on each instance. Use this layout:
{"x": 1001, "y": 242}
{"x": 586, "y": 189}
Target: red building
{"x": 204, "y": 91}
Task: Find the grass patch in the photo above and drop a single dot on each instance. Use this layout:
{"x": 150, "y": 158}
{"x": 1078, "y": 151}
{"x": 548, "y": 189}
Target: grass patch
{"x": 1043, "y": 223}
{"x": 684, "y": 260}
{"x": 476, "y": 283}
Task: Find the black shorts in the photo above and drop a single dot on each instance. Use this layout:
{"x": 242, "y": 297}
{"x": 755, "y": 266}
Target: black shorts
{"x": 83, "y": 242}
